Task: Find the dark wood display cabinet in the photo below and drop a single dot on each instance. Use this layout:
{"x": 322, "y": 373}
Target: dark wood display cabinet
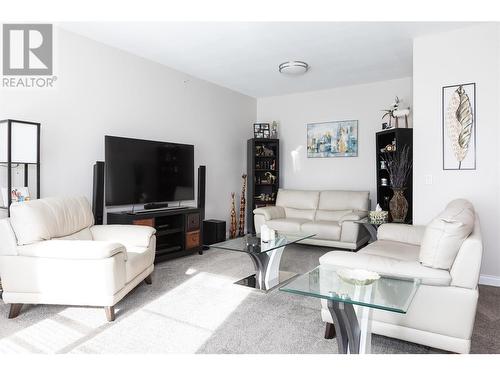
{"x": 398, "y": 138}
{"x": 178, "y": 231}
{"x": 263, "y": 175}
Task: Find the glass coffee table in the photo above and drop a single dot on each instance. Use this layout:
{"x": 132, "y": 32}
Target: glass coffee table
{"x": 351, "y": 305}
{"x": 266, "y": 257}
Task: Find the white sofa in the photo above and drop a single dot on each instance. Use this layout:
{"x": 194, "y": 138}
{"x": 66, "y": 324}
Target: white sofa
{"x": 51, "y": 253}
{"x": 442, "y": 312}
{"x": 329, "y": 214}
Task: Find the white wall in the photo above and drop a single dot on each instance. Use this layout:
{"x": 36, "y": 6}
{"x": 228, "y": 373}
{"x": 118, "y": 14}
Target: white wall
{"x": 102, "y": 90}
{"x": 461, "y": 56}
{"x": 361, "y": 102}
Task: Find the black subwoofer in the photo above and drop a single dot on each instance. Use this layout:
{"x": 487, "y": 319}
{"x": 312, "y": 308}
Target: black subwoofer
{"x": 213, "y": 231}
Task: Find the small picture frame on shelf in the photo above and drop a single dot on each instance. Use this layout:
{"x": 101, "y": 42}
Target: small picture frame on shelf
{"x": 256, "y": 130}
{"x": 260, "y": 130}
{"x": 18, "y": 194}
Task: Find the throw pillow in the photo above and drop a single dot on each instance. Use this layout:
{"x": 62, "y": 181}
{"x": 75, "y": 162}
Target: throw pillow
{"x": 445, "y": 234}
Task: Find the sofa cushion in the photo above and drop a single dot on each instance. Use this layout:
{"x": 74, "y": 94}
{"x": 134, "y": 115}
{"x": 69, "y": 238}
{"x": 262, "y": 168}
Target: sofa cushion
{"x": 445, "y": 234}
{"x": 83, "y": 235}
{"x": 300, "y": 199}
{"x": 331, "y": 215}
{"x": 294, "y": 213}
{"x": 334, "y": 200}
{"x": 323, "y": 230}
{"x": 387, "y": 266}
{"x": 44, "y": 219}
{"x": 286, "y": 225}
{"x": 392, "y": 249}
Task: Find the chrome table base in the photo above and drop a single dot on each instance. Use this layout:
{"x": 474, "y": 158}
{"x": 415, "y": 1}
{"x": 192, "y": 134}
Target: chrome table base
{"x": 352, "y": 327}
{"x": 267, "y": 274}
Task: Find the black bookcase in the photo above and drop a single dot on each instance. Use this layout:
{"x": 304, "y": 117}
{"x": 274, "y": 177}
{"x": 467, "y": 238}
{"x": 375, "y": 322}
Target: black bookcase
{"x": 262, "y": 162}
{"x": 400, "y": 137}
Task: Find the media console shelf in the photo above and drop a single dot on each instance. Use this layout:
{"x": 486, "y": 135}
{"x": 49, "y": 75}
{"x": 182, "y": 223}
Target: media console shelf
{"x": 178, "y": 231}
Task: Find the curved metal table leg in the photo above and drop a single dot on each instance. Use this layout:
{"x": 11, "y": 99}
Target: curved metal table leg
{"x": 352, "y": 338}
{"x": 267, "y": 273}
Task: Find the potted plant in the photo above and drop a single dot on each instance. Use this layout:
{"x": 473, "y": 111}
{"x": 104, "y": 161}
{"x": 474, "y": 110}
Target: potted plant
{"x": 399, "y": 166}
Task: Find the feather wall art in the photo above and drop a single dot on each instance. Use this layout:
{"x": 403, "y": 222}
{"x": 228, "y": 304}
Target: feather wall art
{"x": 459, "y": 127}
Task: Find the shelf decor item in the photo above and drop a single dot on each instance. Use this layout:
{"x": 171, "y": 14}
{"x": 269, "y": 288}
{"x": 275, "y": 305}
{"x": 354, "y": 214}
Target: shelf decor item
{"x": 399, "y": 166}
{"x": 274, "y": 130}
{"x": 20, "y": 156}
{"x": 17, "y": 194}
{"x": 395, "y": 112}
{"x": 241, "y": 229}
{"x": 332, "y": 139}
{"x": 459, "y": 127}
{"x": 378, "y": 217}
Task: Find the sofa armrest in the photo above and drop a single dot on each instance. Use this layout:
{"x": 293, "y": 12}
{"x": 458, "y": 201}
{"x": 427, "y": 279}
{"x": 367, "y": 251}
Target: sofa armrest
{"x": 128, "y": 235}
{"x": 411, "y": 234}
{"x": 69, "y": 249}
{"x": 353, "y": 216}
{"x": 270, "y": 212}
{"x": 8, "y": 242}
{"x": 467, "y": 265}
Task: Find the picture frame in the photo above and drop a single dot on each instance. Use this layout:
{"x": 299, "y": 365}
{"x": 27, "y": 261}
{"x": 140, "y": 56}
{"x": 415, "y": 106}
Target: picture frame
{"x": 260, "y": 130}
{"x": 332, "y": 139}
{"x": 18, "y": 194}
{"x": 459, "y": 126}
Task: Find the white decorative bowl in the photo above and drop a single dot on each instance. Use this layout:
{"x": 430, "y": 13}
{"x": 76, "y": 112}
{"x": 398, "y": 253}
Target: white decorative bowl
{"x": 357, "y": 276}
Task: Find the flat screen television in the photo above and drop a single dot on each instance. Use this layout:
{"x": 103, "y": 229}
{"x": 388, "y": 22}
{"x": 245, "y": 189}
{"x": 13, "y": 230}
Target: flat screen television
{"x": 140, "y": 171}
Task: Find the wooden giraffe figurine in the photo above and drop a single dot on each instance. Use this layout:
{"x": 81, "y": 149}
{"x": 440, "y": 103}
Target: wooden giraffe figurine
{"x": 243, "y": 201}
{"x": 232, "y": 228}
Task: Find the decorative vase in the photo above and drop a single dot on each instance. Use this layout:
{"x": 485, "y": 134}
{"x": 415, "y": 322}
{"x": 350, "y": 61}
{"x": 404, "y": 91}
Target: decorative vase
{"x": 398, "y": 206}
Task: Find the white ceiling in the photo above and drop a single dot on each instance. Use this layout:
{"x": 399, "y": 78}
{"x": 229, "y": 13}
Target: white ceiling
{"x": 245, "y": 56}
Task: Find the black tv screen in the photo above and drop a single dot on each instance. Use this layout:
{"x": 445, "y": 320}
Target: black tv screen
{"x": 140, "y": 171}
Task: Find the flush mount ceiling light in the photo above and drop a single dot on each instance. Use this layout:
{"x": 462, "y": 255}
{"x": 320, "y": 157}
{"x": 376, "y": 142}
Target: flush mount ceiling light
{"x": 293, "y": 67}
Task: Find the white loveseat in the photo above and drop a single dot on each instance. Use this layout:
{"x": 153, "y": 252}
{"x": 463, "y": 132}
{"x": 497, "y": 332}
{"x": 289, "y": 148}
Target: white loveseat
{"x": 51, "y": 253}
{"x": 329, "y": 214}
{"x": 446, "y": 256}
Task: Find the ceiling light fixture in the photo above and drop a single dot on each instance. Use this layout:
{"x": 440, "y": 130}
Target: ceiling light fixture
{"x": 293, "y": 67}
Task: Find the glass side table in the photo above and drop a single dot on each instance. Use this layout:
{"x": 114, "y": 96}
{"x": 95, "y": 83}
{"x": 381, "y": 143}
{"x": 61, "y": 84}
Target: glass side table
{"x": 371, "y": 227}
{"x": 351, "y": 305}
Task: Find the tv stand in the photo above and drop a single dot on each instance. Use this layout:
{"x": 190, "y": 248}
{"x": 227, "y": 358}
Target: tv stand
{"x": 154, "y": 206}
{"x": 178, "y": 230}
{"x": 157, "y": 209}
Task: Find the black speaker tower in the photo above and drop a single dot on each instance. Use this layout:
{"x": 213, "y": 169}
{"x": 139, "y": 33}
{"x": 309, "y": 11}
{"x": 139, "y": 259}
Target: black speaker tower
{"x": 201, "y": 189}
{"x": 98, "y": 193}
{"x": 200, "y": 202}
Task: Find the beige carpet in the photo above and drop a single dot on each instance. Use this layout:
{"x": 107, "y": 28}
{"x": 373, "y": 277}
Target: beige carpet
{"x": 193, "y": 307}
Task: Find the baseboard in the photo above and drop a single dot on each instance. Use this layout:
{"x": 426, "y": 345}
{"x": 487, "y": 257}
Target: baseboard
{"x": 489, "y": 280}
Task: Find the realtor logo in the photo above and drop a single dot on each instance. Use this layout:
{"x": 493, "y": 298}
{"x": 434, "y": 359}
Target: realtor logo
{"x": 27, "y": 50}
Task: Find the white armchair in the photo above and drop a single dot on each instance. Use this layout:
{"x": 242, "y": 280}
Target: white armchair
{"x": 446, "y": 256}
{"x": 51, "y": 253}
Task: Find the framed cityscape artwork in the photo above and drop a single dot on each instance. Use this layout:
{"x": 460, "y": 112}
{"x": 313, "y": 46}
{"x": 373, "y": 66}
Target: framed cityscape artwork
{"x": 459, "y": 127}
{"x": 332, "y": 139}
